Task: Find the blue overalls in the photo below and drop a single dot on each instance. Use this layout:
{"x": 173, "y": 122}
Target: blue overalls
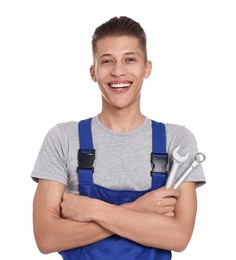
{"x": 116, "y": 247}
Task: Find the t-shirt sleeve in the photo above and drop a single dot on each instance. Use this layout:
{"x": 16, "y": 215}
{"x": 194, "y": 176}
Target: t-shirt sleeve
{"x": 51, "y": 162}
{"x": 185, "y": 138}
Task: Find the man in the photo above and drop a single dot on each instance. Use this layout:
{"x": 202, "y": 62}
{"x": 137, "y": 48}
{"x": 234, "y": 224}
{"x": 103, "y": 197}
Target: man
{"x": 116, "y": 207}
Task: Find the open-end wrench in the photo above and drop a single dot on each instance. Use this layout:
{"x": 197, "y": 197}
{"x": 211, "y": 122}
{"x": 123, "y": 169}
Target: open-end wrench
{"x": 199, "y": 158}
{"x": 177, "y": 160}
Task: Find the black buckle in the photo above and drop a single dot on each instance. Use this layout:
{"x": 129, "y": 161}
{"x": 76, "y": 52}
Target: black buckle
{"x": 86, "y": 158}
{"x": 159, "y": 162}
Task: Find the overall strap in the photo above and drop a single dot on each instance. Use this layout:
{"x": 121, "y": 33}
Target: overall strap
{"x": 158, "y": 137}
{"x": 86, "y": 153}
{"x": 159, "y": 157}
{"x": 85, "y": 134}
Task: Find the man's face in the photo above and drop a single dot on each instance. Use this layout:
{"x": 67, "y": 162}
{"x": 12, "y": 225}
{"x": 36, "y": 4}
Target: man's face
{"x": 119, "y": 69}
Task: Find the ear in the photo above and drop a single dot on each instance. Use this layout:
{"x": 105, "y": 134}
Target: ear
{"x": 92, "y": 73}
{"x": 148, "y": 69}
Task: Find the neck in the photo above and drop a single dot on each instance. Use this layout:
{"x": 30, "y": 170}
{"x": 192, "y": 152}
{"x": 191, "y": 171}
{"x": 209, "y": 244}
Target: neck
{"x": 121, "y": 120}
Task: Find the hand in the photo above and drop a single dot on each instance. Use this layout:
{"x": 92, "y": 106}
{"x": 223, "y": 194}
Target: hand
{"x": 76, "y": 207}
{"x": 161, "y": 201}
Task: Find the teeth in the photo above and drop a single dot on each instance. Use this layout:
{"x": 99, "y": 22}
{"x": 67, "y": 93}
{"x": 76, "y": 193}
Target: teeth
{"x": 120, "y": 85}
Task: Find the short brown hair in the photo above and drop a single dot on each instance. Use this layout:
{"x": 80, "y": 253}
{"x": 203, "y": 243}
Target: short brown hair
{"x": 120, "y": 26}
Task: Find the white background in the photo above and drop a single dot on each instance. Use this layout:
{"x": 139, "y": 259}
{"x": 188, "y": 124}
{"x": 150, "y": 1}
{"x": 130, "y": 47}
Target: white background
{"x": 45, "y": 55}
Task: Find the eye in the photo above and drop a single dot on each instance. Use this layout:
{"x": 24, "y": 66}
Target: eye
{"x": 130, "y": 60}
{"x": 106, "y": 61}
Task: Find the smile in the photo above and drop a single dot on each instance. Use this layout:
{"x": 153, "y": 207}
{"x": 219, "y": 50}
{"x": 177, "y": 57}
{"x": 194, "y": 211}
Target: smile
{"x": 120, "y": 85}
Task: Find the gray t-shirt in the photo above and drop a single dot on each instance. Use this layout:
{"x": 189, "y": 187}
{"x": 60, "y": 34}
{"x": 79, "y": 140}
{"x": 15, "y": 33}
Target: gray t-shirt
{"x": 122, "y": 159}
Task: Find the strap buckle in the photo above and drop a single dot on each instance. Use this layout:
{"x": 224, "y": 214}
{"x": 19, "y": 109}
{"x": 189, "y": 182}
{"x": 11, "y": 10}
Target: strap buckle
{"x": 159, "y": 162}
{"x": 86, "y": 159}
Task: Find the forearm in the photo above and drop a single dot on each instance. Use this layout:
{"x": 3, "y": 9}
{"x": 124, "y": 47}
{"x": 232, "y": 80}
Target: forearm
{"x": 58, "y": 234}
{"x": 145, "y": 228}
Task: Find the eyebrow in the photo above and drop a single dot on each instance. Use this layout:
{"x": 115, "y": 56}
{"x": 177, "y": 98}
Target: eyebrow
{"x": 126, "y": 53}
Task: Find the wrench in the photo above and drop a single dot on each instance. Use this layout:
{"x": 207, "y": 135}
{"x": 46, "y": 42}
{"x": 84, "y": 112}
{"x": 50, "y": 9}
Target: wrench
{"x": 177, "y": 160}
{"x": 199, "y": 158}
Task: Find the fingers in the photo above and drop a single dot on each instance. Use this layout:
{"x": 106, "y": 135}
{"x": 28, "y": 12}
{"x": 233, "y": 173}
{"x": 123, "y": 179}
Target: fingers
{"x": 171, "y": 193}
{"x": 169, "y": 214}
{"x": 168, "y": 209}
{"x": 169, "y": 201}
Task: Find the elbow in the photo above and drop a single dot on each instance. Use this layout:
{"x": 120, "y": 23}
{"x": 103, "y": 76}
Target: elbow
{"x": 45, "y": 244}
{"x": 180, "y": 247}
{"x": 44, "y": 248}
{"x": 181, "y": 242}
{"x": 45, "y": 237}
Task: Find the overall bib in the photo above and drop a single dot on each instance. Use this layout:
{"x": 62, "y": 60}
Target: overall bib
{"x": 116, "y": 247}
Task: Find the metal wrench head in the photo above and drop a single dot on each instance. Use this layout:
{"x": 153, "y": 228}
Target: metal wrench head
{"x": 178, "y": 157}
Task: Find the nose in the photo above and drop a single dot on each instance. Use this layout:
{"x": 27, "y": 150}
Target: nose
{"x": 118, "y": 69}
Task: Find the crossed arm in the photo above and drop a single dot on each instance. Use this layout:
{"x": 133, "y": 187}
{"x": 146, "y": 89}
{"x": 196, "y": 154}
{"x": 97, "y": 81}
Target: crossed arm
{"x": 64, "y": 221}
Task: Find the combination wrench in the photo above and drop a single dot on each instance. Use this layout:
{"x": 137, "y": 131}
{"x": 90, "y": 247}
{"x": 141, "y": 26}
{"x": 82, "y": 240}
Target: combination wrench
{"x": 199, "y": 158}
{"x": 177, "y": 160}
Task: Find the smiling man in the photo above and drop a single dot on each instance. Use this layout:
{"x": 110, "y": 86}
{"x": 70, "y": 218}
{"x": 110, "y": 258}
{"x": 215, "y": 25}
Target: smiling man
{"x": 99, "y": 196}
{"x": 120, "y": 67}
